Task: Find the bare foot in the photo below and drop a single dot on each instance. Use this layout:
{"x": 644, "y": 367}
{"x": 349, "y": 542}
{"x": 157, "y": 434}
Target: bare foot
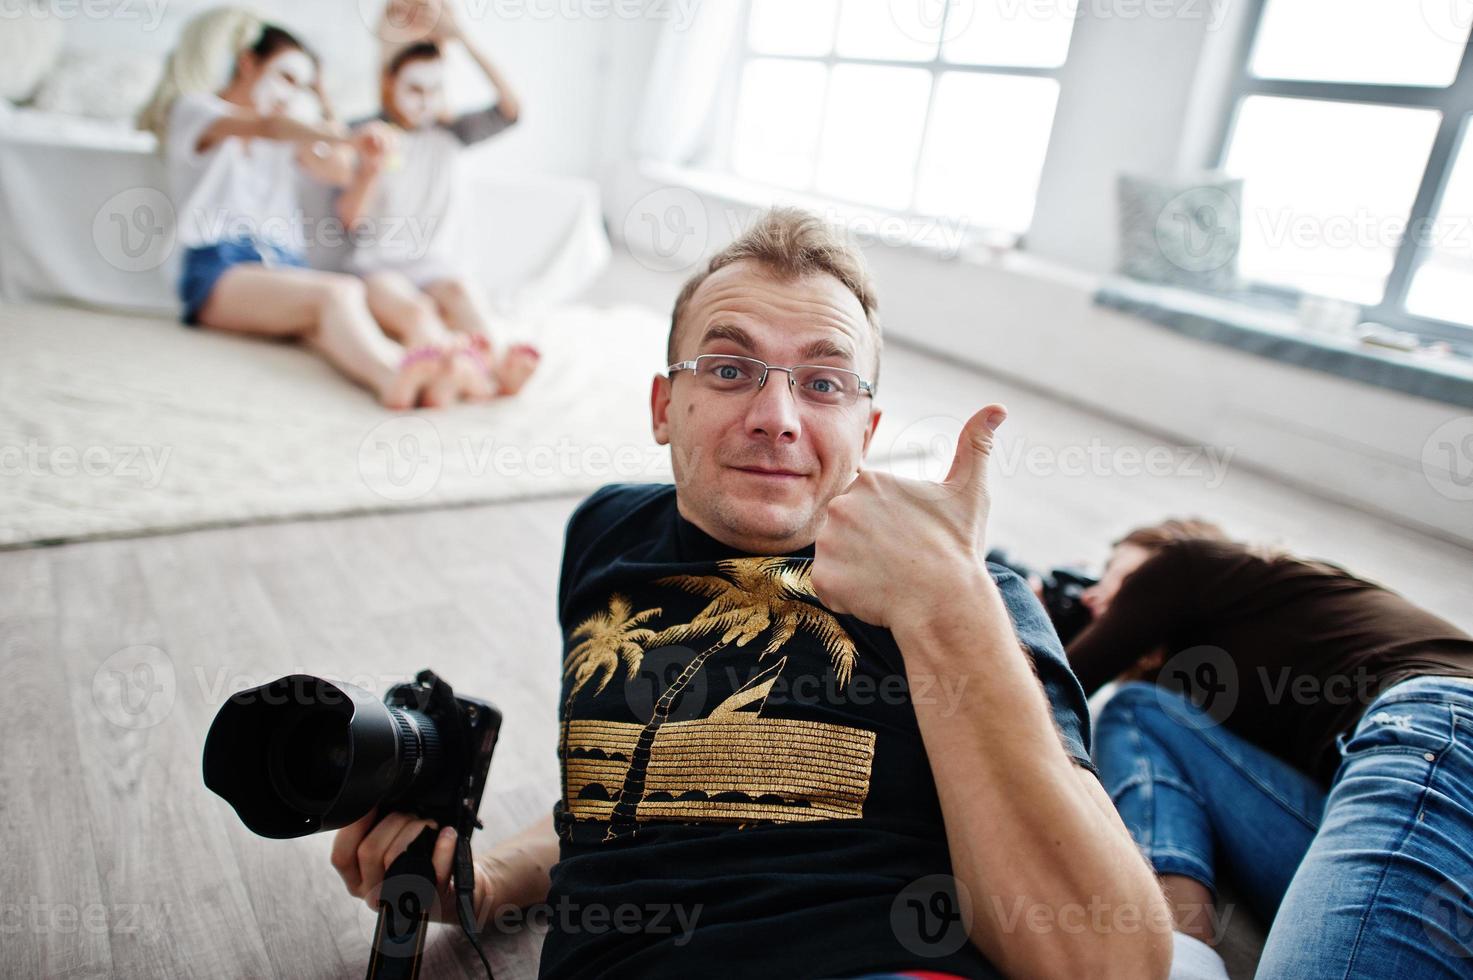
{"x": 466, "y": 366}
{"x": 419, "y": 369}
{"x": 514, "y": 368}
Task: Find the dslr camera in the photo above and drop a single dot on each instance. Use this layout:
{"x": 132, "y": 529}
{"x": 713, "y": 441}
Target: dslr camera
{"x": 302, "y": 754}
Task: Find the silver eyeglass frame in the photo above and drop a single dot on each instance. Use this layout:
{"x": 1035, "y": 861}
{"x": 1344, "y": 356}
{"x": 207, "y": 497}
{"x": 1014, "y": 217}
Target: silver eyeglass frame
{"x": 865, "y": 387}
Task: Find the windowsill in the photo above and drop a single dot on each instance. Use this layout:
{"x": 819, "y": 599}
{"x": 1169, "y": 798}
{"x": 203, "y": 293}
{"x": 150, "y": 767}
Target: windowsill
{"x": 938, "y": 236}
{"x": 1277, "y": 335}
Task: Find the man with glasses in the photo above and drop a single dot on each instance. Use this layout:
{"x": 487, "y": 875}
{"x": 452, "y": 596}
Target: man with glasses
{"x": 805, "y": 731}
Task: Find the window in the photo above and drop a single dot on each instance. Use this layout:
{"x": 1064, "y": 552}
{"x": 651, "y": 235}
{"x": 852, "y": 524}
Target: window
{"x": 1348, "y": 131}
{"x": 921, "y": 107}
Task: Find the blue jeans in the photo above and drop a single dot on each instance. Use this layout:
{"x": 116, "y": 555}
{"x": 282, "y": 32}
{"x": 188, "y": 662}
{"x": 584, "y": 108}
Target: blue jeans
{"x": 1372, "y": 879}
{"x": 202, "y": 268}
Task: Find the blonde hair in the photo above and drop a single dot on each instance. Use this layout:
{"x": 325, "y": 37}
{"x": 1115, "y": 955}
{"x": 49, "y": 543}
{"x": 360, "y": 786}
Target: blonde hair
{"x": 791, "y": 243}
{"x": 1174, "y": 529}
{"x": 202, "y": 61}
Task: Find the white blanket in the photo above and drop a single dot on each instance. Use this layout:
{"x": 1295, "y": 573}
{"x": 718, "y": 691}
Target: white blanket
{"x": 118, "y": 425}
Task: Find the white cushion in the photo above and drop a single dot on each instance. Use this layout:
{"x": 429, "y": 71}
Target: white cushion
{"x": 99, "y": 84}
{"x": 28, "y": 47}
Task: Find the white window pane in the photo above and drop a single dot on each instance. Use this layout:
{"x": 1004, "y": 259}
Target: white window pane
{"x": 894, "y": 31}
{"x": 872, "y": 133}
{"x": 779, "y": 112}
{"x": 1390, "y": 42}
{"x": 1009, "y": 32}
{"x": 792, "y": 26}
{"x": 985, "y": 148}
{"x": 1327, "y": 190}
{"x": 1443, "y": 286}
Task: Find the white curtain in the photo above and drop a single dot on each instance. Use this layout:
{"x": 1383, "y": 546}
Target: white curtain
{"x": 695, "y": 50}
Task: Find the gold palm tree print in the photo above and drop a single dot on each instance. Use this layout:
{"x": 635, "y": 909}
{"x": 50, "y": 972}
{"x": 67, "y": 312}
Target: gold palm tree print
{"x": 608, "y": 638}
{"x": 753, "y": 596}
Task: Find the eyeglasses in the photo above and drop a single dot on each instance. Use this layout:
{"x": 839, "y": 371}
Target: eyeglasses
{"x": 817, "y": 384}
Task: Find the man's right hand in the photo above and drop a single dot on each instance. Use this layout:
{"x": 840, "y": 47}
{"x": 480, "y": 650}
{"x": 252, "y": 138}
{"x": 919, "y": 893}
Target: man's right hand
{"x": 363, "y": 851}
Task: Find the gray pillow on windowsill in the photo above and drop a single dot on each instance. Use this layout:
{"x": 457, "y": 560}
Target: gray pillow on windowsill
{"x": 1181, "y": 232}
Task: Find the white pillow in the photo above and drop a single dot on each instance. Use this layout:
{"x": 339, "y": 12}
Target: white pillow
{"x": 28, "y": 47}
{"x": 99, "y": 84}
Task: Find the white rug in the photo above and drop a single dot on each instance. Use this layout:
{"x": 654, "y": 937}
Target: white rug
{"x": 120, "y": 425}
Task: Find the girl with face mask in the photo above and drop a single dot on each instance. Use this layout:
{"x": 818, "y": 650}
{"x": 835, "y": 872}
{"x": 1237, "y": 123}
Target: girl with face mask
{"x": 401, "y": 205}
{"x": 234, "y": 159}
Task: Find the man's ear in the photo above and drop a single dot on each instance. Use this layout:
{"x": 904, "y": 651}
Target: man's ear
{"x": 869, "y": 433}
{"x": 660, "y": 409}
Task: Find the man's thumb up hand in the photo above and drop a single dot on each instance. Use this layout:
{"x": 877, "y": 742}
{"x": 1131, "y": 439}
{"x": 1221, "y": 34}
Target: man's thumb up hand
{"x": 973, "y": 448}
{"x": 888, "y": 544}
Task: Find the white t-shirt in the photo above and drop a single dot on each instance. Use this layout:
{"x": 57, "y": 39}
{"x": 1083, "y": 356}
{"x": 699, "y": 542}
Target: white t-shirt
{"x": 409, "y": 221}
{"x": 238, "y": 188}
{"x": 409, "y": 216}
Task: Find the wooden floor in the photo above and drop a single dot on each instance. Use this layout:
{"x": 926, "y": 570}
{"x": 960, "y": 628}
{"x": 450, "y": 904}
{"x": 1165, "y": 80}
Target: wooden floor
{"x": 118, "y": 862}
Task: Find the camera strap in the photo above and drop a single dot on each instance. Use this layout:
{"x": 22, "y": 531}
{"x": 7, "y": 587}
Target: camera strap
{"x": 406, "y": 900}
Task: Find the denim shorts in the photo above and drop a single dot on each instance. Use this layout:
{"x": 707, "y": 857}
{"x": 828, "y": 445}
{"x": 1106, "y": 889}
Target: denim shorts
{"x": 203, "y": 267}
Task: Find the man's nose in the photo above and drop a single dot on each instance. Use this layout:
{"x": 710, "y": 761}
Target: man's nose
{"x": 773, "y": 411}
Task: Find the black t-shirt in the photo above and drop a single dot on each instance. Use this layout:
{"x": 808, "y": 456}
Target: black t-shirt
{"x": 784, "y": 801}
{"x": 1283, "y": 651}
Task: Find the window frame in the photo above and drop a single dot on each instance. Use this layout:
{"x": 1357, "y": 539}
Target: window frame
{"x": 1453, "y": 102}
{"x": 935, "y": 67}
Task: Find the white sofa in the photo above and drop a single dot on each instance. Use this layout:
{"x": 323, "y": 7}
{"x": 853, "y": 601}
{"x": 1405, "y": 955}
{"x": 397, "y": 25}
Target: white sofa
{"x": 84, "y": 217}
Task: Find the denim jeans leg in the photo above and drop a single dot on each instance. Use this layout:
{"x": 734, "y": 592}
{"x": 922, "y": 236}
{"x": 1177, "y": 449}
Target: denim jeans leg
{"x": 1199, "y": 799}
{"x": 1386, "y": 889}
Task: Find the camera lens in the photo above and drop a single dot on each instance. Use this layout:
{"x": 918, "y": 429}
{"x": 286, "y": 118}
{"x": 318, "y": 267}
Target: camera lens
{"x": 302, "y": 754}
{"x": 309, "y": 760}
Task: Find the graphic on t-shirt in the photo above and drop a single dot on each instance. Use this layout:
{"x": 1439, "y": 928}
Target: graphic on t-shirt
{"x": 734, "y": 765}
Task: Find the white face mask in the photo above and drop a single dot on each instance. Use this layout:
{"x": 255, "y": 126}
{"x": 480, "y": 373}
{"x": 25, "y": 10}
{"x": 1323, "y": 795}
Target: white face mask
{"x": 286, "y": 77}
{"x": 419, "y": 93}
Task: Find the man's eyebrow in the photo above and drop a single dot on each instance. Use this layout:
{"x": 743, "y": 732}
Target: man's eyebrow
{"x": 826, "y": 348}
{"x": 730, "y": 332}
{"x": 734, "y": 334}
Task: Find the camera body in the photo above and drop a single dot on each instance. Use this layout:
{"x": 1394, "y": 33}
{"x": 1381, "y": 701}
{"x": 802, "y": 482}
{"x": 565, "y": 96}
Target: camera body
{"x": 302, "y": 754}
{"x": 468, "y": 729}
